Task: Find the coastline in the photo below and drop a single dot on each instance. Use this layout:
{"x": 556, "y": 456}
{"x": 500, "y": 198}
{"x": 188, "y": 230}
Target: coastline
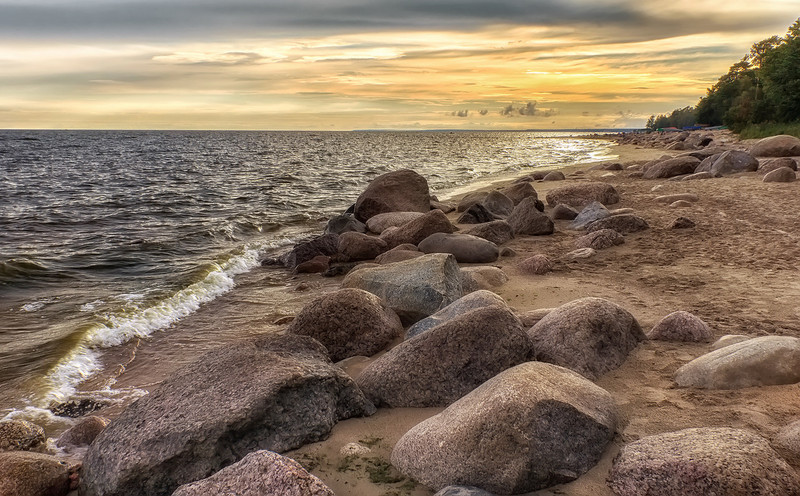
{"x": 719, "y": 270}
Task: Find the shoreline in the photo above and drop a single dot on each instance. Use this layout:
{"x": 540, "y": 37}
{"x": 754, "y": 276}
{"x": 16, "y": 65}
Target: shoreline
{"x": 720, "y": 271}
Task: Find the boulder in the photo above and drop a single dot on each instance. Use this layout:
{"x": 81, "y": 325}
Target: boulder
{"x": 349, "y": 322}
{"x": 476, "y": 214}
{"x": 728, "y": 340}
{"x": 697, "y": 176}
{"x": 581, "y": 194}
{"x": 418, "y": 229}
{"x": 782, "y": 175}
{"x": 24, "y": 473}
{"x": 325, "y": 245}
{"x": 470, "y": 199}
{"x": 344, "y": 223}
{"x": 530, "y": 427}
{"x": 381, "y": 222}
{"x": 766, "y": 165}
{"x": 590, "y": 336}
{"x": 681, "y": 326}
{"x": 708, "y": 460}
{"x": 681, "y": 223}
{"x": 498, "y": 203}
{"x": 563, "y": 212}
{"x": 358, "y": 246}
{"x": 259, "y": 473}
{"x": 82, "y": 433}
{"x": 20, "y": 435}
{"x": 316, "y": 265}
{"x": 442, "y": 364}
{"x": 277, "y": 392}
{"x": 764, "y": 361}
{"x": 398, "y": 254}
{"x": 777, "y": 146}
{"x": 677, "y": 166}
{"x": 536, "y": 265}
{"x": 729, "y": 162}
{"x": 532, "y": 317}
{"x": 472, "y": 301}
{"x": 527, "y": 219}
{"x": 462, "y": 491}
{"x": 600, "y": 240}
{"x": 623, "y": 224}
{"x": 580, "y": 254}
{"x": 690, "y": 197}
{"x": 787, "y": 442}
{"x": 554, "y": 176}
{"x": 466, "y": 248}
{"x": 590, "y": 213}
{"x": 519, "y": 191}
{"x": 497, "y": 231}
{"x": 413, "y": 288}
{"x": 482, "y": 277}
{"x": 444, "y": 207}
{"x": 397, "y": 191}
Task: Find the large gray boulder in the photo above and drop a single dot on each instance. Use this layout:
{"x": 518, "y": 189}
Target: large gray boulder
{"x": 764, "y": 361}
{"x": 413, "y": 288}
{"x": 325, "y": 245}
{"x": 729, "y": 162}
{"x": 590, "y": 336}
{"x": 397, "y": 191}
{"x": 590, "y": 213}
{"x": 349, "y": 322}
{"x": 466, "y": 248}
{"x": 477, "y": 299}
{"x": 446, "y": 362}
{"x": 470, "y": 199}
{"x": 416, "y": 230}
{"x": 519, "y": 191}
{"x": 581, "y": 194}
{"x": 782, "y": 175}
{"x": 787, "y": 442}
{"x": 527, "y": 219}
{"x": 277, "y": 392}
{"x": 258, "y": 474}
{"x": 528, "y": 428}
{"x": 476, "y": 214}
{"x": 20, "y": 435}
{"x": 702, "y": 461}
{"x": 359, "y": 246}
{"x": 24, "y": 473}
{"x": 381, "y": 222}
{"x": 681, "y": 326}
{"x": 678, "y": 166}
{"x": 344, "y": 223}
{"x": 782, "y": 145}
{"x": 622, "y": 223}
{"x": 497, "y": 231}
{"x": 82, "y": 433}
{"x": 498, "y": 203}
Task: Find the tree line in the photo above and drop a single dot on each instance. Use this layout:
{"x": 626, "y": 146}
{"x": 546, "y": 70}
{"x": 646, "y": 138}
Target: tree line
{"x": 763, "y": 87}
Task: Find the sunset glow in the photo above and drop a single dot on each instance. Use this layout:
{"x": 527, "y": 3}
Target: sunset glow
{"x": 507, "y": 64}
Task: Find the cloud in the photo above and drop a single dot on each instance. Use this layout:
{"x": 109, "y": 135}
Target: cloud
{"x": 529, "y": 109}
{"x": 460, "y": 113}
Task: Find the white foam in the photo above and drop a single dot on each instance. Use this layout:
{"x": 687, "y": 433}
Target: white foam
{"x": 88, "y": 307}
{"x": 37, "y": 305}
{"x": 84, "y": 360}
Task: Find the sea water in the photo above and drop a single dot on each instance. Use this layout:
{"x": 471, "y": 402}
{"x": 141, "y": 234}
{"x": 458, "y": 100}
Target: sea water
{"x": 124, "y": 254}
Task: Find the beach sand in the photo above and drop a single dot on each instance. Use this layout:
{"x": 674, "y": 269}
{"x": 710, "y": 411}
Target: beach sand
{"x": 737, "y": 270}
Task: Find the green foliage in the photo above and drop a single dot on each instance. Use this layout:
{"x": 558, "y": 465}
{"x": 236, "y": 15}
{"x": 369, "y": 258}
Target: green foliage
{"x": 763, "y": 87}
{"x": 679, "y": 118}
{"x": 755, "y": 131}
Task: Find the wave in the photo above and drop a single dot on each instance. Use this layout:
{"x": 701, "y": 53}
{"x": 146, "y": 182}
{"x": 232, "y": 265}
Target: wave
{"x": 83, "y": 360}
{"x": 25, "y": 269}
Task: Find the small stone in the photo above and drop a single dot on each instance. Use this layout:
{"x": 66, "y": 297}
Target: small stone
{"x": 354, "y": 449}
{"x": 688, "y": 197}
{"x": 782, "y": 175}
{"x": 554, "y": 176}
{"x": 537, "y": 265}
{"x": 728, "y": 340}
{"x": 681, "y": 326}
{"x": 563, "y": 212}
{"x": 682, "y": 223}
{"x": 600, "y": 240}
{"x": 580, "y": 254}
{"x": 680, "y": 204}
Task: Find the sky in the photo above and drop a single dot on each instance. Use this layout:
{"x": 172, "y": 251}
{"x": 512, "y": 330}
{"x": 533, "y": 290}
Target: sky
{"x": 367, "y": 64}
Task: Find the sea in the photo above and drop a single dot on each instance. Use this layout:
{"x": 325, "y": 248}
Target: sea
{"x": 126, "y": 254}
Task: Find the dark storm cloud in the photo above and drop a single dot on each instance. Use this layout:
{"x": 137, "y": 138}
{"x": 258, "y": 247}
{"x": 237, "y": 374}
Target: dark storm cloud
{"x": 213, "y": 20}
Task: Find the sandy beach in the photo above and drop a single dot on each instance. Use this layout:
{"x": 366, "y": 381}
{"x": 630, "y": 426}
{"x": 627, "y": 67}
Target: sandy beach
{"x": 736, "y": 270}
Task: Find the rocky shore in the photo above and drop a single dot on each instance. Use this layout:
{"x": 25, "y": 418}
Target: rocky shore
{"x": 623, "y": 328}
